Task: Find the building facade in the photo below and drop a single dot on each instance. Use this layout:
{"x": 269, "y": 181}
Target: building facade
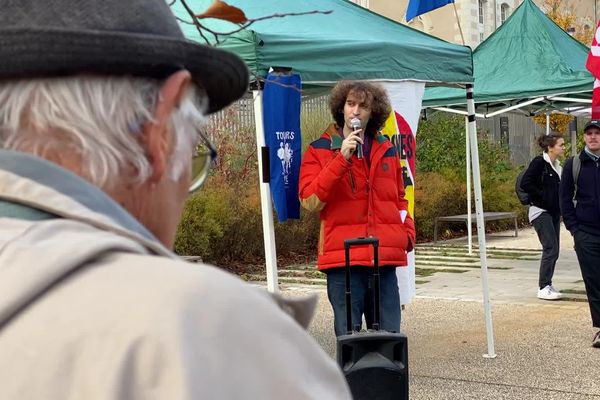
{"x": 470, "y": 22}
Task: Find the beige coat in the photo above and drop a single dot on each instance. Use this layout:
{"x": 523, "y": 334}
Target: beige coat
{"x": 92, "y": 307}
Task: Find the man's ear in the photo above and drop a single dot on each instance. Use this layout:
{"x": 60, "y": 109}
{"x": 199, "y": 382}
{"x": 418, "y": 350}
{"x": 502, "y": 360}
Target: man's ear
{"x": 157, "y": 136}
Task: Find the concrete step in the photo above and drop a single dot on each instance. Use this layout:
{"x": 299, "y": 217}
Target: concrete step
{"x": 437, "y": 264}
{"x": 287, "y": 279}
{"x": 421, "y": 272}
{"x": 302, "y": 267}
{"x": 475, "y": 248}
{"x": 296, "y": 273}
{"x": 447, "y": 260}
{"x": 516, "y": 253}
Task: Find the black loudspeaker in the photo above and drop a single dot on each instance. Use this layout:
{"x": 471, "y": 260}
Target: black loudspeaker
{"x": 375, "y": 364}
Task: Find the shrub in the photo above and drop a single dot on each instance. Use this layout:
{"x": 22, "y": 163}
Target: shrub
{"x": 205, "y": 220}
{"x": 441, "y": 176}
{"x": 222, "y": 223}
{"x": 437, "y": 195}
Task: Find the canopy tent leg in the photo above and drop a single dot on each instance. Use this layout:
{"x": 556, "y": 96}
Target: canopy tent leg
{"x": 547, "y": 123}
{"x": 574, "y": 141}
{"x": 265, "y": 198}
{"x": 480, "y": 222}
{"x": 469, "y": 205}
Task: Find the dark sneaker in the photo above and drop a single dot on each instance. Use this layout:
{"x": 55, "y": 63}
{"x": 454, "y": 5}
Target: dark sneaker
{"x": 596, "y": 340}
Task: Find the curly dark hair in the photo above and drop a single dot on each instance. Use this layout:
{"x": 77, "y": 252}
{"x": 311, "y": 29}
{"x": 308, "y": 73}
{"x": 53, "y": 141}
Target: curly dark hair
{"x": 547, "y": 141}
{"x": 374, "y": 94}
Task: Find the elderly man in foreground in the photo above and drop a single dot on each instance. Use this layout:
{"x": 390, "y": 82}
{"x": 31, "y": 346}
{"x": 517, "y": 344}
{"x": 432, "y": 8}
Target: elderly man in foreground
{"x": 100, "y": 104}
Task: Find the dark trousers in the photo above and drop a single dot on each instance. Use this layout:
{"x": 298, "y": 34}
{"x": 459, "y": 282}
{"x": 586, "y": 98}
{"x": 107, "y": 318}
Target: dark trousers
{"x": 361, "y": 287}
{"x": 548, "y": 231}
{"x": 587, "y": 247}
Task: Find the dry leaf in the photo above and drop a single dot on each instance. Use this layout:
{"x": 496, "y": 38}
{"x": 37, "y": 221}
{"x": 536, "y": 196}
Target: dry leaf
{"x": 221, "y": 10}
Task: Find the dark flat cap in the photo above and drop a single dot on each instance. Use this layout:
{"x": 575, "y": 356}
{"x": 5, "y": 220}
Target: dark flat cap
{"x": 112, "y": 37}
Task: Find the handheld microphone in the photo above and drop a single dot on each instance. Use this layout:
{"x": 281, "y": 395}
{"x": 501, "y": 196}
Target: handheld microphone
{"x": 355, "y": 124}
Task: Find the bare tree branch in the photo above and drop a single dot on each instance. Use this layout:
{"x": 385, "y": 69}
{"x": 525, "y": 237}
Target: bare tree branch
{"x": 202, "y": 29}
{"x": 277, "y": 15}
{"x": 195, "y": 22}
{"x": 218, "y": 35}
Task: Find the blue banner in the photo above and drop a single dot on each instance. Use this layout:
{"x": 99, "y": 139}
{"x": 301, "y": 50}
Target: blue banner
{"x": 418, "y": 7}
{"x": 281, "y": 114}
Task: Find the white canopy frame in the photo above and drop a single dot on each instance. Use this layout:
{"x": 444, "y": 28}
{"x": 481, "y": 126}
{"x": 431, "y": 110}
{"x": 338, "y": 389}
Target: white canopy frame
{"x": 559, "y": 103}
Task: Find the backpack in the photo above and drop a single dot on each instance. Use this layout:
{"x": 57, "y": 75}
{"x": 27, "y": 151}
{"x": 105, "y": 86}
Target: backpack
{"x": 521, "y": 194}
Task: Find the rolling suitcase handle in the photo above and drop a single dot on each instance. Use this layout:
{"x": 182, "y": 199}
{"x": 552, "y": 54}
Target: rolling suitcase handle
{"x": 355, "y": 242}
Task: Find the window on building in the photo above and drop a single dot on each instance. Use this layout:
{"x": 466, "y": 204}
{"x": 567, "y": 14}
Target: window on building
{"x": 481, "y": 9}
{"x": 504, "y": 12}
{"x": 481, "y": 38}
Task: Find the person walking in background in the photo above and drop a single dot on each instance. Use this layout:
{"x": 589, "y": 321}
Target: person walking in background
{"x": 101, "y": 109}
{"x": 541, "y": 182}
{"x": 580, "y": 207}
{"x": 358, "y": 194}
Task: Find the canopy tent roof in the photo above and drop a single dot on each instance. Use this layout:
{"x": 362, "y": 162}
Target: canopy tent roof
{"x": 529, "y": 62}
{"x": 349, "y": 43}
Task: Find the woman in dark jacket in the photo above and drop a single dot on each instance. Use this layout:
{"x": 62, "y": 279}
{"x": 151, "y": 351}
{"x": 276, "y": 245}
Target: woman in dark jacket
{"x": 541, "y": 182}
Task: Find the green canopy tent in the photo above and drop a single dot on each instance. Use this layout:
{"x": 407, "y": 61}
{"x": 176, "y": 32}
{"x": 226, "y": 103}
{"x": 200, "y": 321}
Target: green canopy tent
{"x": 529, "y": 64}
{"x": 351, "y": 42}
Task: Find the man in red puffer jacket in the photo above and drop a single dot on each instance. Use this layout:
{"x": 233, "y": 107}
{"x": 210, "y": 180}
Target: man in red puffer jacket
{"x": 353, "y": 177}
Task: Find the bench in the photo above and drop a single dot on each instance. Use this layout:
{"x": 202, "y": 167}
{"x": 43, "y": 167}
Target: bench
{"x": 487, "y": 216}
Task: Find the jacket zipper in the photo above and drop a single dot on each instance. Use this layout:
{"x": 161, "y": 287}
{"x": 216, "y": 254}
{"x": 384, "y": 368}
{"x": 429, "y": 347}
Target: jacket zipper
{"x": 352, "y": 183}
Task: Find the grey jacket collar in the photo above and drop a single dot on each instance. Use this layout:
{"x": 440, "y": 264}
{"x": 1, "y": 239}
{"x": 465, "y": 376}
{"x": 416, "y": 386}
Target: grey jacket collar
{"x": 65, "y": 182}
{"x": 591, "y": 155}
{"x": 15, "y": 210}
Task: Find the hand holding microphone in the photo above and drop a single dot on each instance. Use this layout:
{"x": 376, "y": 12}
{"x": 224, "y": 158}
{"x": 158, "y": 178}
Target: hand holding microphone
{"x": 355, "y": 124}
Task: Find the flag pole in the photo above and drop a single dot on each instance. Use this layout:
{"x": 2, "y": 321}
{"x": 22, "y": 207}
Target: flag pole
{"x": 458, "y": 22}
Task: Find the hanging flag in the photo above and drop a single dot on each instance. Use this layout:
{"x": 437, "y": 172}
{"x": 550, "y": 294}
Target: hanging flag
{"x": 281, "y": 114}
{"x": 418, "y": 7}
{"x": 593, "y": 65}
{"x": 401, "y": 128}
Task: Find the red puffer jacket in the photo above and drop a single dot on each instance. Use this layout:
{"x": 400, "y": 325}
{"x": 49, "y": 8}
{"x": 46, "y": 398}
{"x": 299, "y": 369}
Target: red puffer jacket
{"x": 355, "y": 201}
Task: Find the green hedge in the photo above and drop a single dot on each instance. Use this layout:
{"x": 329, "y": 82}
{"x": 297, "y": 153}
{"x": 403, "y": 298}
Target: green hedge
{"x": 441, "y": 177}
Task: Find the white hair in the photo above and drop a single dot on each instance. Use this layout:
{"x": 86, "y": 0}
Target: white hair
{"x": 99, "y": 118}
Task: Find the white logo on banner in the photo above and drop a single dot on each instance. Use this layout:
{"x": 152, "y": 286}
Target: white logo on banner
{"x": 285, "y": 153}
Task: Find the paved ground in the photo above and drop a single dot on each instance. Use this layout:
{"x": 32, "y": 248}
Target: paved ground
{"x": 543, "y": 348}
{"x": 515, "y": 285}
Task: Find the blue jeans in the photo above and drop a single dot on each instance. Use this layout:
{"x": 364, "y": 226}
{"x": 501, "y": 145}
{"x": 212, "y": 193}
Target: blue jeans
{"x": 361, "y": 287}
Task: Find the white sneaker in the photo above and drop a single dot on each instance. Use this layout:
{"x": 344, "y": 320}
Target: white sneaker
{"x": 548, "y": 294}
{"x": 555, "y": 290}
